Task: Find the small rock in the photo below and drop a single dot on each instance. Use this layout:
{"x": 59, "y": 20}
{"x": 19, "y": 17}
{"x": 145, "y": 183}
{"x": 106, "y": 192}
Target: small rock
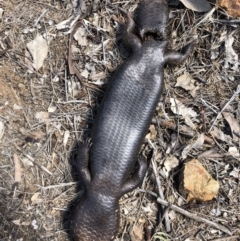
{"x": 231, "y": 6}
{"x": 197, "y": 183}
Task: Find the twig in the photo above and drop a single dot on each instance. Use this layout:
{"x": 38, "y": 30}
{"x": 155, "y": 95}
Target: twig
{"x": 194, "y": 216}
{"x": 72, "y": 101}
{"x": 177, "y": 127}
{"x": 103, "y": 49}
{"x": 205, "y": 18}
{"x": 32, "y": 160}
{"x": 188, "y": 214}
{"x": 209, "y": 105}
{"x": 230, "y": 238}
{"x": 66, "y": 85}
{"x": 232, "y": 98}
{"x": 154, "y": 166}
{"x": 43, "y": 13}
{"x": 227, "y": 21}
{"x": 59, "y": 185}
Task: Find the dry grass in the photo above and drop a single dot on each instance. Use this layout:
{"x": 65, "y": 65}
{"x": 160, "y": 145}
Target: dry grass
{"x": 36, "y": 208}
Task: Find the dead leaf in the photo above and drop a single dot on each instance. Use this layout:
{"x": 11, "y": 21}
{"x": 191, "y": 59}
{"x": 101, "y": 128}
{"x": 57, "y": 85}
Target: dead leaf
{"x": 197, "y": 5}
{"x": 172, "y": 214}
{"x": 137, "y": 233}
{"x": 99, "y": 82}
{"x": 179, "y": 108}
{"x": 212, "y": 153}
{"x": 170, "y": 163}
{"x": 216, "y": 212}
{"x": 1, "y": 13}
{"x": 195, "y": 145}
{"x": 187, "y": 82}
{"x": 64, "y": 24}
{"x": 42, "y": 116}
{"x": 33, "y": 136}
{"x": 17, "y": 222}
{"x": 233, "y": 123}
{"x": 95, "y": 21}
{"x": 27, "y": 162}
{"x": 65, "y": 138}
{"x": 148, "y": 208}
{"x": 152, "y": 133}
{"x": 39, "y": 50}
{"x": 52, "y": 109}
{"x": 234, "y": 172}
{"x": 26, "y": 223}
{"x": 233, "y": 151}
{"x": 34, "y": 224}
{"x": 231, "y": 60}
{"x": 81, "y": 37}
{"x": 35, "y": 199}
{"x": 219, "y": 135}
{"x": 73, "y": 88}
{"x": 17, "y": 107}
{"x": 85, "y": 73}
{"x": 97, "y": 76}
{"x": 18, "y": 172}
{"x": 189, "y": 122}
{"x": 197, "y": 182}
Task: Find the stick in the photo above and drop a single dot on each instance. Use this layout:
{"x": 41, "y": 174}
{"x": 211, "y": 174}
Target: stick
{"x": 194, "y": 216}
{"x": 230, "y": 238}
{"x": 188, "y": 214}
{"x": 166, "y": 217}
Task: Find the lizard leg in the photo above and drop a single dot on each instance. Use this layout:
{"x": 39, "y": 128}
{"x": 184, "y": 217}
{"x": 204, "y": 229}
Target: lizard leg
{"x": 82, "y": 160}
{"x": 129, "y": 39}
{"x": 137, "y": 177}
{"x": 175, "y": 57}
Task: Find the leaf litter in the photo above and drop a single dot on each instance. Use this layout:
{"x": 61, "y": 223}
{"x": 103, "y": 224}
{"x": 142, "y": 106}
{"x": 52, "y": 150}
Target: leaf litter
{"x": 58, "y": 105}
{"x": 39, "y": 50}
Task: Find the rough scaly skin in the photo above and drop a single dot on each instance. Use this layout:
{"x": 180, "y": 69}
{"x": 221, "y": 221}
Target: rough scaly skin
{"x": 152, "y": 17}
{"x": 119, "y": 130}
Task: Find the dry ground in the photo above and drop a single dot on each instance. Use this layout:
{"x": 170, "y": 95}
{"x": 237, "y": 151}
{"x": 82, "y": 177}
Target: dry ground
{"x": 45, "y": 113}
